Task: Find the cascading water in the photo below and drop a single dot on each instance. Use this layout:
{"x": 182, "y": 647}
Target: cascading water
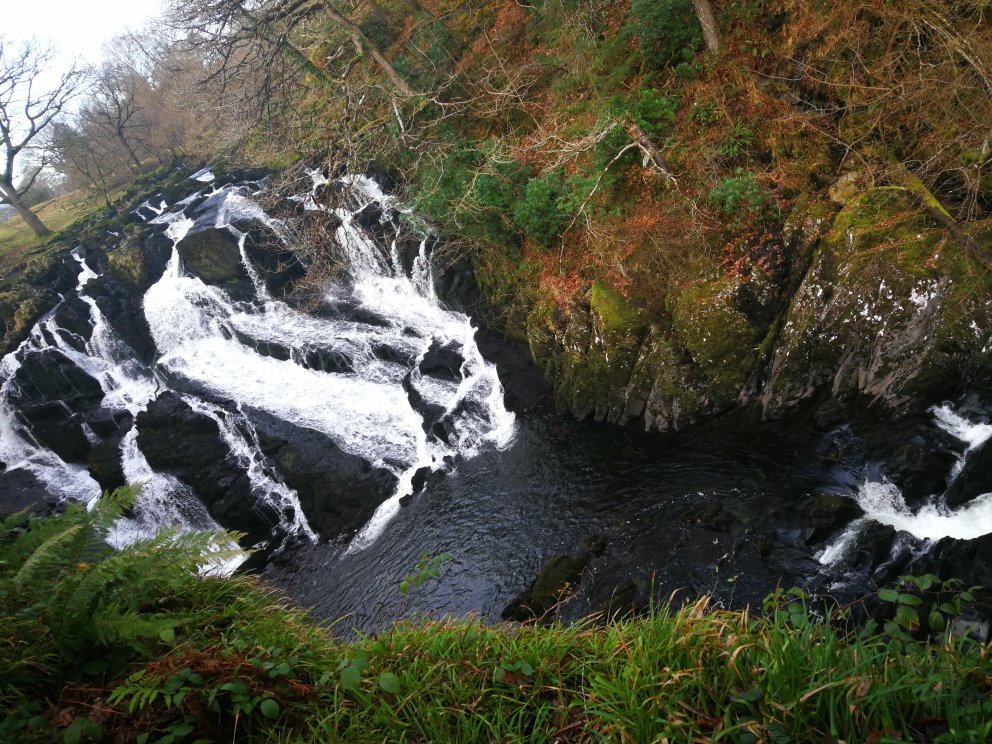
{"x": 205, "y": 352}
{"x": 883, "y": 502}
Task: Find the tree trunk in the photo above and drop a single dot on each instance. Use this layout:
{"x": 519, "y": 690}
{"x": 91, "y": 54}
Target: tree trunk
{"x": 705, "y": 12}
{"x": 11, "y": 197}
{"x": 362, "y": 44}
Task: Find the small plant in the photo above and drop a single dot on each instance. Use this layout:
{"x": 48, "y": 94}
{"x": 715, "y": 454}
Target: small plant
{"x": 654, "y": 112}
{"x": 923, "y": 606}
{"x": 428, "y": 567}
{"x": 738, "y": 141}
{"x": 542, "y": 212}
{"x": 668, "y": 30}
{"x": 740, "y": 197}
{"x": 704, "y": 113}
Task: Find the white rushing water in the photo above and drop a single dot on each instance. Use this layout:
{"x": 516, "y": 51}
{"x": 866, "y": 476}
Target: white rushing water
{"x": 883, "y": 502}
{"x": 199, "y": 333}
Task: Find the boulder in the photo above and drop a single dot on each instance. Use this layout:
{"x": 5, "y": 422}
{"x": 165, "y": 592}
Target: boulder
{"x": 49, "y": 376}
{"x": 890, "y": 310}
{"x": 975, "y": 479}
{"x": 278, "y": 267}
{"x": 443, "y": 361}
{"x": 105, "y": 462}
{"x": 212, "y": 255}
{"x": 558, "y": 575}
{"x": 338, "y": 491}
{"x": 827, "y": 513}
{"x": 57, "y": 428}
{"x": 176, "y": 439}
{"x": 21, "y": 491}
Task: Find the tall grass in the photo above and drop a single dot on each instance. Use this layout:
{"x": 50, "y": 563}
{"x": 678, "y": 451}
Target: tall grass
{"x": 137, "y": 646}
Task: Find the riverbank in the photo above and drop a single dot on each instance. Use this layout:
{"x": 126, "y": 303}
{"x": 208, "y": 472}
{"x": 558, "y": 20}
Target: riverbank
{"x": 128, "y": 646}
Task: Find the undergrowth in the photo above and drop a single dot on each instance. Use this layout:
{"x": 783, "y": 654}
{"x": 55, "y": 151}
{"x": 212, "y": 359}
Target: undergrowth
{"x": 141, "y": 645}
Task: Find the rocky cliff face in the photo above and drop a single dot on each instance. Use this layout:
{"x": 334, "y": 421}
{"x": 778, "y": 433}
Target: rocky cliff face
{"x": 876, "y": 303}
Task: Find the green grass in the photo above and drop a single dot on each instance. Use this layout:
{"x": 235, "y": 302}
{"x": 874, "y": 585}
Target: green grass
{"x": 136, "y": 647}
{"x": 17, "y": 241}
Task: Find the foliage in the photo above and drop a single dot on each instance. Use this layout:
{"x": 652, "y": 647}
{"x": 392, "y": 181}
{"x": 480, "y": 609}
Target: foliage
{"x": 428, "y": 567}
{"x": 543, "y": 211}
{"x": 668, "y": 30}
{"x": 740, "y": 197}
{"x": 241, "y": 667}
{"x": 73, "y": 608}
{"x": 924, "y": 606}
{"x": 654, "y": 112}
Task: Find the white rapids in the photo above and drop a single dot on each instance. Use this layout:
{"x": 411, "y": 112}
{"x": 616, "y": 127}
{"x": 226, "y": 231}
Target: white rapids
{"x": 883, "y": 502}
{"x": 196, "y": 329}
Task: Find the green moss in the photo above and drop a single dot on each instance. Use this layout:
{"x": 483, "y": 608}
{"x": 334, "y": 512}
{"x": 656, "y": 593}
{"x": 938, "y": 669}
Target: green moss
{"x": 719, "y": 338}
{"x": 128, "y": 264}
{"x": 613, "y": 310}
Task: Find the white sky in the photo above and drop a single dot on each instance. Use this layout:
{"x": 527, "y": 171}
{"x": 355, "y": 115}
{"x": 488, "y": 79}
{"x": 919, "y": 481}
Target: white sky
{"x": 74, "y": 27}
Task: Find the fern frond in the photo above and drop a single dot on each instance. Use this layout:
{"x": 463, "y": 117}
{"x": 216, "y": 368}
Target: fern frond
{"x": 111, "y": 623}
{"x": 52, "y": 555}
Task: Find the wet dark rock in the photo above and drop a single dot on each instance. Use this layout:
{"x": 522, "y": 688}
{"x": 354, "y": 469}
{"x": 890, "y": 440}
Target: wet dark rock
{"x": 975, "y": 479}
{"x": 456, "y": 286}
{"x": 921, "y": 466}
{"x": 327, "y": 360}
{"x": 429, "y": 412}
{"x": 21, "y": 491}
{"x": 443, "y": 361}
{"x": 524, "y": 386}
{"x": 73, "y": 316}
{"x": 827, "y": 513}
{"x": 278, "y": 267}
{"x": 338, "y": 491}
{"x": 265, "y": 348}
{"x": 177, "y": 440}
{"x": 123, "y": 308}
{"x": 105, "y": 463}
{"x": 106, "y": 423}
{"x": 420, "y": 479}
{"x": 48, "y": 376}
{"x": 711, "y": 515}
{"x": 967, "y": 560}
{"x": 212, "y": 254}
{"x": 408, "y": 250}
{"x": 557, "y": 576}
{"x": 596, "y": 544}
{"x": 370, "y": 217}
{"x": 58, "y": 428}
{"x": 872, "y": 547}
{"x": 622, "y": 602}
{"x": 387, "y": 352}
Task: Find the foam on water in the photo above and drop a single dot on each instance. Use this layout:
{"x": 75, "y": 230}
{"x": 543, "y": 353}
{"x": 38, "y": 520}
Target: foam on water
{"x": 200, "y": 335}
{"x": 883, "y": 502}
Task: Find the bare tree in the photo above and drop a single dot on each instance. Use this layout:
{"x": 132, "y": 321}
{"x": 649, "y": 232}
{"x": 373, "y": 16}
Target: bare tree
{"x": 26, "y": 111}
{"x": 113, "y": 108}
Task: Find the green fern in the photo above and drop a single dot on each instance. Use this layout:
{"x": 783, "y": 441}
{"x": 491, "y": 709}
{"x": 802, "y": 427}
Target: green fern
{"x": 67, "y": 599}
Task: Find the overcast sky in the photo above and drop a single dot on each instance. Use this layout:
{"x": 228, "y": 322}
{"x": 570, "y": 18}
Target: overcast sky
{"x": 74, "y": 27}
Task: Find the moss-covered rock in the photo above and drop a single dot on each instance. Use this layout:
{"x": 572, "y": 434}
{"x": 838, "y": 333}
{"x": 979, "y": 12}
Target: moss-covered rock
{"x": 589, "y": 351}
{"x": 892, "y": 308}
{"x": 720, "y": 339}
{"x": 215, "y": 257}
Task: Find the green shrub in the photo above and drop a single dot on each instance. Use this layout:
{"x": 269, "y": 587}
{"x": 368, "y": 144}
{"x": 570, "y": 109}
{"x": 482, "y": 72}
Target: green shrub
{"x": 543, "y": 210}
{"x": 740, "y": 197}
{"x": 668, "y": 30}
{"x": 654, "y": 112}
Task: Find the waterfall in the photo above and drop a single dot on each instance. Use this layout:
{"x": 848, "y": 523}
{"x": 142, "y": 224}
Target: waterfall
{"x": 207, "y": 352}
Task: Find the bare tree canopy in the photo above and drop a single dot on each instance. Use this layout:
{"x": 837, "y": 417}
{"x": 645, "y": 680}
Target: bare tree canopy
{"x": 27, "y": 109}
